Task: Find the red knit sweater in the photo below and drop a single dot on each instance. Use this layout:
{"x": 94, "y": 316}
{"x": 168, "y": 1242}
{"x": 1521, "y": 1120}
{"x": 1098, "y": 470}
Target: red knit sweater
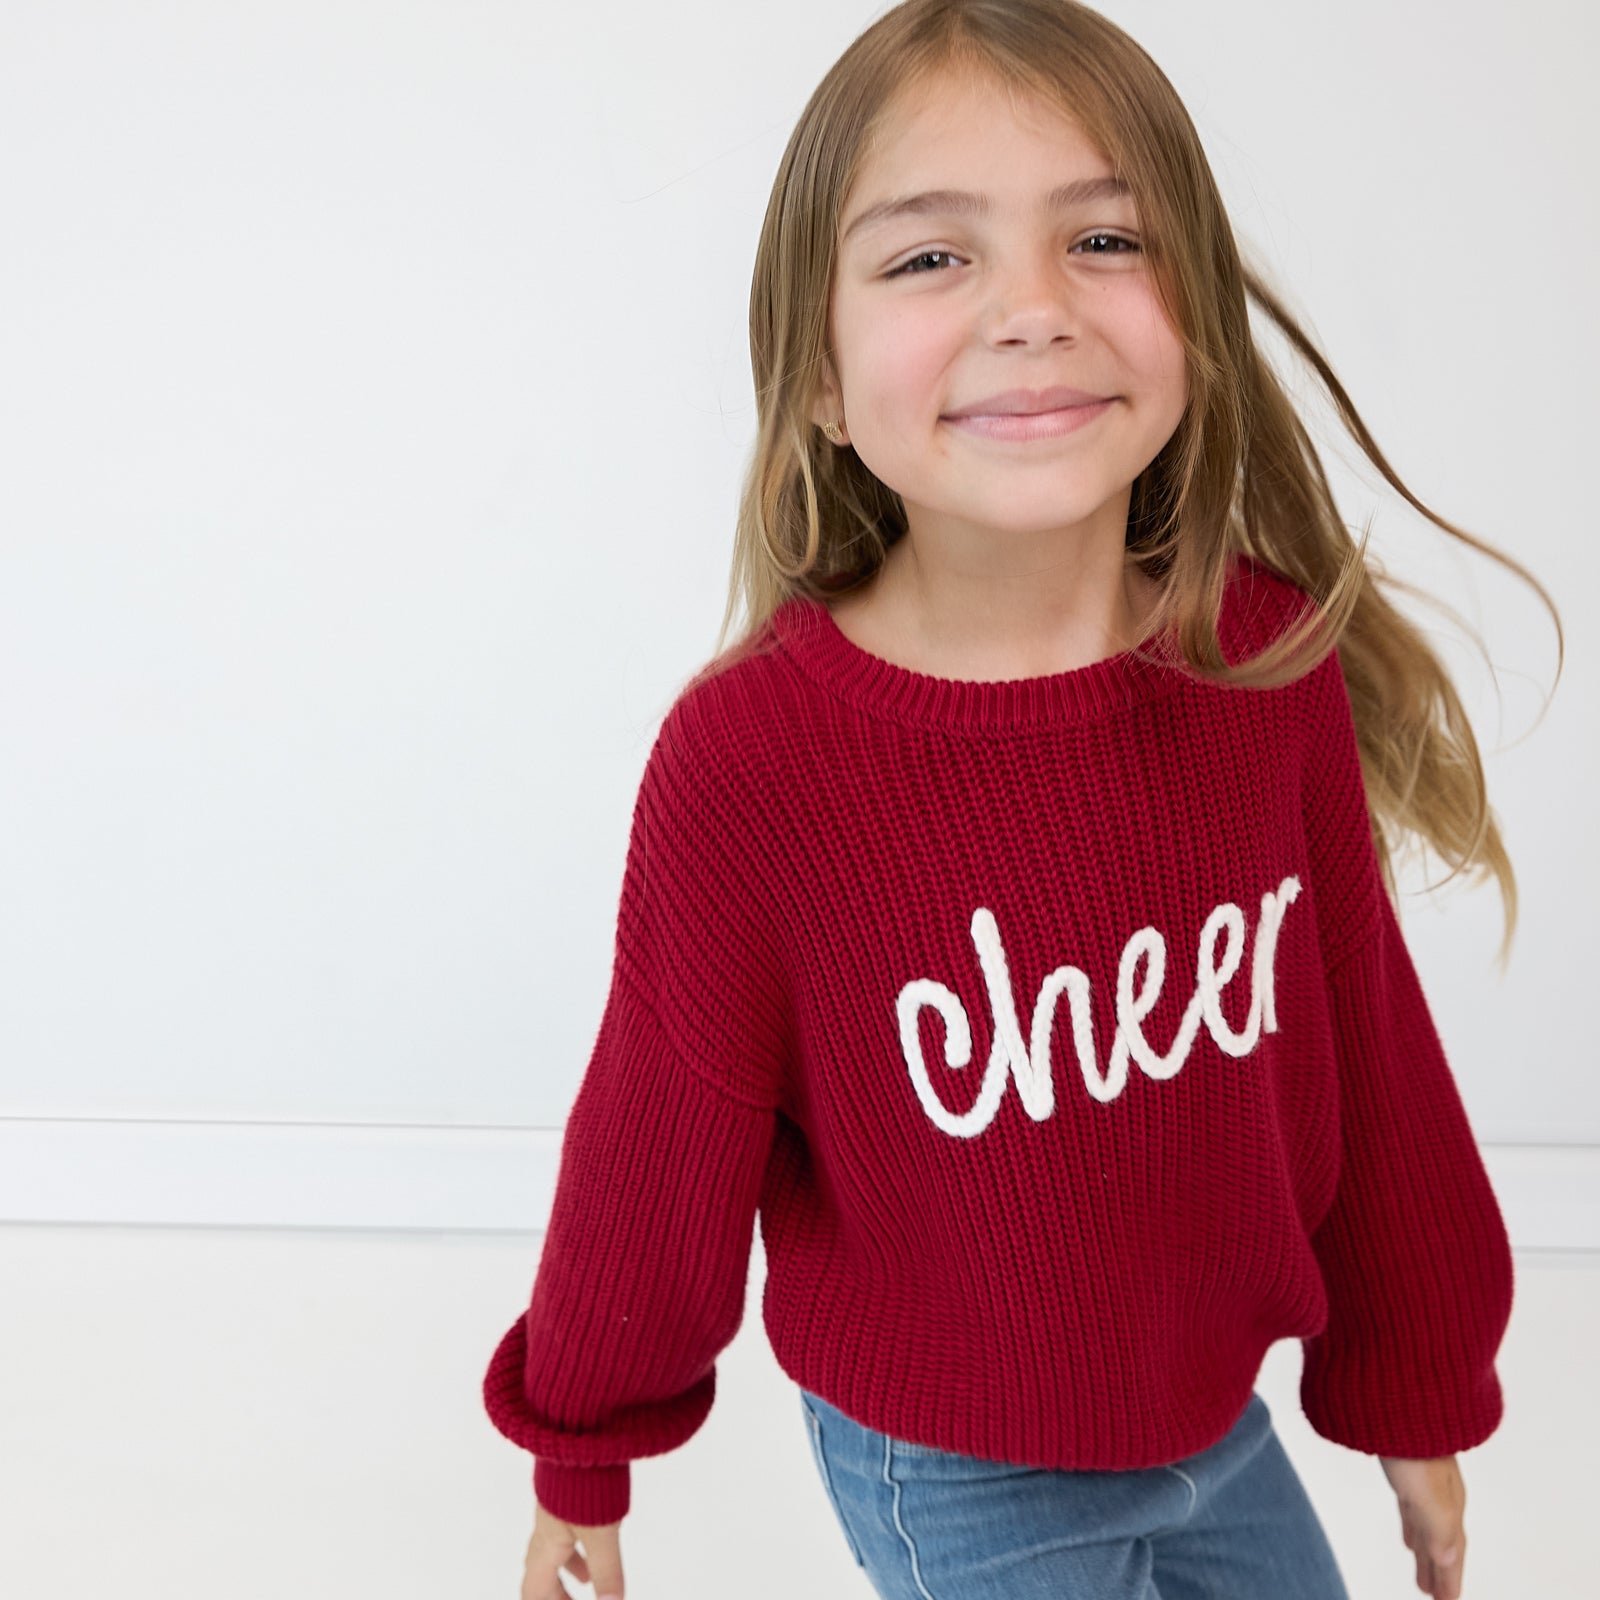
{"x": 1061, "y": 1034}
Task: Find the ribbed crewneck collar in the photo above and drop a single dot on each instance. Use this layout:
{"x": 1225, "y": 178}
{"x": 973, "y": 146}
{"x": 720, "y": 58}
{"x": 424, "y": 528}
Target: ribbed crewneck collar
{"x": 807, "y": 631}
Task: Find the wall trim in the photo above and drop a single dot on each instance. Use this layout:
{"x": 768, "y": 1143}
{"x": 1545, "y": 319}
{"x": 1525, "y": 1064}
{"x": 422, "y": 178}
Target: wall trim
{"x": 451, "y": 1176}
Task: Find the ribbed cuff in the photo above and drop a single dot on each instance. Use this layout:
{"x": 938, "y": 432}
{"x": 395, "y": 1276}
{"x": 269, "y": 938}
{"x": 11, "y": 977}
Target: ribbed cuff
{"x": 1381, "y": 1414}
{"x": 587, "y": 1496}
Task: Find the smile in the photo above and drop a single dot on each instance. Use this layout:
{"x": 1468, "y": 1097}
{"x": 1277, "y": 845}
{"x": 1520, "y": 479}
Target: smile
{"x": 1037, "y": 425}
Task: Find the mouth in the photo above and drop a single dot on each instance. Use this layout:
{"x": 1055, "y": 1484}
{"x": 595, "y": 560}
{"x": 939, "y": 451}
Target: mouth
{"x": 1025, "y": 425}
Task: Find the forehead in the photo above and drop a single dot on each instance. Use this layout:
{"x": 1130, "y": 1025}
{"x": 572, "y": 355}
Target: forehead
{"x": 970, "y": 134}
{"x": 952, "y": 112}
{"x": 970, "y": 149}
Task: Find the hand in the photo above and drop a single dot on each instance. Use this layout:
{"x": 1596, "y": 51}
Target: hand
{"x": 1432, "y": 1501}
{"x": 554, "y": 1546}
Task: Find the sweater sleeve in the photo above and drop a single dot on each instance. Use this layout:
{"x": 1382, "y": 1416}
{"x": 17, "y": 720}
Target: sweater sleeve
{"x": 641, "y": 1282}
{"x": 1413, "y": 1250}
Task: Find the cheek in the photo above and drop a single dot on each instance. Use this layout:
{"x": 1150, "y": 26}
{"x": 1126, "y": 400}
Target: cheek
{"x": 1171, "y": 374}
{"x": 1155, "y": 348}
{"x": 1158, "y": 374}
{"x": 903, "y": 358}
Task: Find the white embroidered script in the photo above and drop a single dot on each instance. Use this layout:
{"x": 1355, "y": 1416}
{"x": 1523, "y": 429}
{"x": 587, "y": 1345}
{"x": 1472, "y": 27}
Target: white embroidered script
{"x": 1029, "y": 1064}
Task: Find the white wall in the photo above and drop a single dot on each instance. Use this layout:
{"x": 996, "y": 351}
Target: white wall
{"x": 373, "y": 398}
{"x": 373, "y": 394}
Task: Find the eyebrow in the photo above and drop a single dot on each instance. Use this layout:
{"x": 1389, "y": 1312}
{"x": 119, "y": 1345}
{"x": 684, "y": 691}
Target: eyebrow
{"x": 963, "y": 203}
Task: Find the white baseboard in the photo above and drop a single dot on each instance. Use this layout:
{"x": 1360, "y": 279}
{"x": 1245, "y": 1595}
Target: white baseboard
{"x": 151, "y": 1173}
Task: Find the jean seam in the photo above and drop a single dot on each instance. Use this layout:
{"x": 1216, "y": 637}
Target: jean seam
{"x": 904, "y": 1532}
{"x": 814, "y": 1423}
{"x": 1194, "y": 1491}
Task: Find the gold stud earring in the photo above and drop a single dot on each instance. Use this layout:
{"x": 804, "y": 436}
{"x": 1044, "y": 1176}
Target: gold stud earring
{"x": 833, "y": 430}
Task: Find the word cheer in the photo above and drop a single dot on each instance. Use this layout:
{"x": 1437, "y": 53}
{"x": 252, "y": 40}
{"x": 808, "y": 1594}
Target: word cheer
{"x": 1030, "y": 1064}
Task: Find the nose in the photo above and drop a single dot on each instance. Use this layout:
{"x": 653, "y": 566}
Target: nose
{"x": 1033, "y": 300}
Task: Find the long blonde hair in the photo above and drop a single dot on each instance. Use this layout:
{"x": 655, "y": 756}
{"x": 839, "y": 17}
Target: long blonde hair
{"x": 1240, "y": 473}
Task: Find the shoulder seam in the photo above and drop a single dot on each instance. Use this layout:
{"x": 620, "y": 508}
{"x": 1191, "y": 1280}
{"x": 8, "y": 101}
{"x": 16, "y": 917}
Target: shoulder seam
{"x": 1335, "y": 968}
{"x": 748, "y": 1102}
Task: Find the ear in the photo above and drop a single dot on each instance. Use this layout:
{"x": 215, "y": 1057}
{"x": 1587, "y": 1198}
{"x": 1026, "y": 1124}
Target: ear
{"x": 829, "y": 403}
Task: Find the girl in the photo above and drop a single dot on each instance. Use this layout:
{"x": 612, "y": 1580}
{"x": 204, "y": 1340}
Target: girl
{"x": 1007, "y": 918}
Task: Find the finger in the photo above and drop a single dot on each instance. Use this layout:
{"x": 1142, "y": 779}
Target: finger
{"x": 602, "y": 1548}
{"x": 1440, "y": 1551}
{"x": 541, "y": 1574}
{"x": 578, "y": 1567}
{"x": 1441, "y": 1579}
{"x": 1447, "y": 1575}
{"x": 544, "y": 1586}
{"x": 1446, "y": 1555}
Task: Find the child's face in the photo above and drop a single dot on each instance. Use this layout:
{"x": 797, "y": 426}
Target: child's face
{"x": 1020, "y": 301}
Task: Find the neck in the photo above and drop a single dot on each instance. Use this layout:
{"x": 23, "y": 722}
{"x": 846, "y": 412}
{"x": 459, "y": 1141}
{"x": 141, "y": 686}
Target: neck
{"x": 1084, "y": 605}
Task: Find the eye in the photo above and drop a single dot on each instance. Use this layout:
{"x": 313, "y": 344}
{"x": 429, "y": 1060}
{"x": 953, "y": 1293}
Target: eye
{"x": 1129, "y": 247}
{"x": 925, "y": 255}
{"x": 1115, "y": 238}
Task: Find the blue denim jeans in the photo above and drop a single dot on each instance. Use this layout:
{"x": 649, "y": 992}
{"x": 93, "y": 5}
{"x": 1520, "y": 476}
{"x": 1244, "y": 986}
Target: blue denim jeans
{"x": 1231, "y": 1523}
